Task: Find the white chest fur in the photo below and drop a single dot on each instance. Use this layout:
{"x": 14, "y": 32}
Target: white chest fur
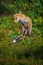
{"x": 22, "y": 20}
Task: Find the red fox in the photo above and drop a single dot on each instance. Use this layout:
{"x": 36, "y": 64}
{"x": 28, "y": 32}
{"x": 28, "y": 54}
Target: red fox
{"x": 26, "y": 24}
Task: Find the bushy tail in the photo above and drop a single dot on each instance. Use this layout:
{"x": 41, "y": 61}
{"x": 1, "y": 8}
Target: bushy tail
{"x": 19, "y": 38}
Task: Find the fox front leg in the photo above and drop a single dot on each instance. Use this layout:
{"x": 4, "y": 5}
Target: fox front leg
{"x": 25, "y": 30}
{"x": 22, "y": 28}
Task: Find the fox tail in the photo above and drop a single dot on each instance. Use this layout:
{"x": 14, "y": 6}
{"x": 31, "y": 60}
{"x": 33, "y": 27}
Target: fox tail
{"x": 19, "y": 38}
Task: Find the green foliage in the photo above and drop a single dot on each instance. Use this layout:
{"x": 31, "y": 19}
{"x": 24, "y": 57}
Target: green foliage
{"x": 8, "y": 7}
{"x": 28, "y": 51}
{"x": 24, "y": 6}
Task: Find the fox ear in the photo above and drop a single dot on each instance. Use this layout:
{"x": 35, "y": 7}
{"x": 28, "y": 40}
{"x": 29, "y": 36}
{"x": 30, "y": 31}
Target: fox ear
{"x": 19, "y": 12}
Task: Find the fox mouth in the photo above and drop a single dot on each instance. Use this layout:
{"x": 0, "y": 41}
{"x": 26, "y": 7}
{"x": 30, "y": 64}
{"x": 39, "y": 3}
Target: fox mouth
{"x": 15, "y": 21}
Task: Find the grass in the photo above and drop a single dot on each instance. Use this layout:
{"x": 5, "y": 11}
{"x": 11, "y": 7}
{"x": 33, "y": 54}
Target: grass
{"x": 28, "y": 51}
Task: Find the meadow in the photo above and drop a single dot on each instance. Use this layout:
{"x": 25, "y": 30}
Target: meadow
{"x": 28, "y": 51}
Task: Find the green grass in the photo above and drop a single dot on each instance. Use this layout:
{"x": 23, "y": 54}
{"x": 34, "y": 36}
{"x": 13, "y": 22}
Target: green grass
{"x": 28, "y": 51}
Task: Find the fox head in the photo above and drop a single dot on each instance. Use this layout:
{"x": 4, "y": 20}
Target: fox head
{"x": 16, "y": 18}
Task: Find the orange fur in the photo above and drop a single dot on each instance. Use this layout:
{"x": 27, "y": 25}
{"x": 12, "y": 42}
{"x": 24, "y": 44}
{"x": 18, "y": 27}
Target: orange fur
{"x": 26, "y": 18}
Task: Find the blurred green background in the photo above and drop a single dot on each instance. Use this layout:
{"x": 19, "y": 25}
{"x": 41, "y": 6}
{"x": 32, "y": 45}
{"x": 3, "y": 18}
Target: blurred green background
{"x": 29, "y": 51}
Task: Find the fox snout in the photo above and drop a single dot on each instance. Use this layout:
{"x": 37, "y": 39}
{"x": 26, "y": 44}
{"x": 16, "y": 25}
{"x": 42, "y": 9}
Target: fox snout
{"x": 16, "y": 21}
